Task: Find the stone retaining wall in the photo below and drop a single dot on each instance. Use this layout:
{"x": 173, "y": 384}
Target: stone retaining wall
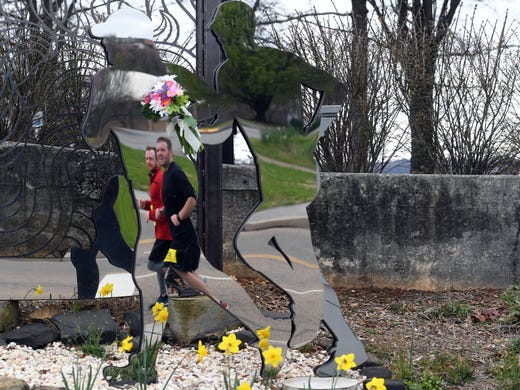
{"x": 428, "y": 232}
{"x": 239, "y": 196}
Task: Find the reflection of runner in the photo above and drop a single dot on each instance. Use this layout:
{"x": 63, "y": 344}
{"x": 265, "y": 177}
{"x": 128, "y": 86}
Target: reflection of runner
{"x": 179, "y": 200}
{"x": 163, "y": 237}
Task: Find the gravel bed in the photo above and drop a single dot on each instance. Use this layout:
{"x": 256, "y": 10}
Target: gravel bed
{"x": 44, "y": 367}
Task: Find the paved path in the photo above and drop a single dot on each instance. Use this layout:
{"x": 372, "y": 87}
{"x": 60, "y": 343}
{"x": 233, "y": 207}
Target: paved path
{"x": 287, "y": 165}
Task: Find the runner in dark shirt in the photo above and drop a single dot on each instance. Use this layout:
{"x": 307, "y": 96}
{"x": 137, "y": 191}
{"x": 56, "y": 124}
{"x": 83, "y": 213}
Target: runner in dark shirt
{"x": 179, "y": 200}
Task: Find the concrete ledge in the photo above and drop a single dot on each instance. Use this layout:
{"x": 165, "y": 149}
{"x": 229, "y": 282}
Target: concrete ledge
{"x": 427, "y": 232}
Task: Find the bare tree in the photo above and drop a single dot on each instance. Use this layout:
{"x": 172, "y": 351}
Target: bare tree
{"x": 477, "y": 76}
{"x": 359, "y": 88}
{"x": 47, "y": 58}
{"x": 415, "y": 32}
{"x": 366, "y": 134}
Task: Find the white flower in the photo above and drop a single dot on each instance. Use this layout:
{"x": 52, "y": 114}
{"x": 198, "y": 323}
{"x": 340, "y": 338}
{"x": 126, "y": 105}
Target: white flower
{"x": 156, "y": 106}
{"x": 170, "y": 77}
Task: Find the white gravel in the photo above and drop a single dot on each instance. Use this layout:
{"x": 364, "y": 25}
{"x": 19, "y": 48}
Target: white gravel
{"x": 43, "y": 367}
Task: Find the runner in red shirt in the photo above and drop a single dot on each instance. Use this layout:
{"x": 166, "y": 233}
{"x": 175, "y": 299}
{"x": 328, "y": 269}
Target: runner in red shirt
{"x": 155, "y": 208}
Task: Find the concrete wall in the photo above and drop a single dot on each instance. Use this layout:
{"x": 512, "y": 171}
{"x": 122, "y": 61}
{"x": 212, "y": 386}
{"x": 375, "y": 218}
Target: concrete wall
{"x": 428, "y": 232}
{"x": 239, "y": 196}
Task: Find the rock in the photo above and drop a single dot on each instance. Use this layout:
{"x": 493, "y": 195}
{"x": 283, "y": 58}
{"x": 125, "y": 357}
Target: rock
{"x": 44, "y": 313}
{"x": 36, "y": 335}
{"x": 13, "y": 384}
{"x": 133, "y": 320}
{"x": 376, "y": 372}
{"x": 192, "y": 318}
{"x": 246, "y": 336}
{"x": 9, "y": 315}
{"x": 371, "y": 361}
{"x": 394, "y": 384}
{"x": 75, "y": 327}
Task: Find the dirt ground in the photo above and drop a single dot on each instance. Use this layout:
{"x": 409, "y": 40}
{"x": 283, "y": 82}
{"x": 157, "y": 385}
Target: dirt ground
{"x": 430, "y": 328}
{"x": 419, "y": 324}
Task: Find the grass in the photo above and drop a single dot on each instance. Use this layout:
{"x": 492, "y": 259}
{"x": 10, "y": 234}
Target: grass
{"x": 288, "y": 146}
{"x": 431, "y": 373}
{"x": 454, "y": 310}
{"x": 138, "y": 172}
{"x": 280, "y": 185}
{"x": 448, "y": 370}
{"x": 91, "y": 344}
{"x": 285, "y": 186}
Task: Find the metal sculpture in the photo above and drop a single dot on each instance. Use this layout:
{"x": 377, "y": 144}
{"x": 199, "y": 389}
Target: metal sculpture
{"x": 66, "y": 188}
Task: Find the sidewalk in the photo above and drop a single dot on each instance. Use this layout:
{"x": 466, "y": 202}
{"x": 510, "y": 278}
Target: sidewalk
{"x": 294, "y": 216}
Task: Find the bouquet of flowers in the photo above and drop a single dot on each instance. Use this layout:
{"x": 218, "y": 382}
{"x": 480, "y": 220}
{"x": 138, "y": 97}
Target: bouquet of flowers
{"x": 167, "y": 100}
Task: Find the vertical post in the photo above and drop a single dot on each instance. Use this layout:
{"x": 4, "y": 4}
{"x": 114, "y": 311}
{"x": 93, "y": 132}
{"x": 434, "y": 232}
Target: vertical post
{"x": 209, "y": 216}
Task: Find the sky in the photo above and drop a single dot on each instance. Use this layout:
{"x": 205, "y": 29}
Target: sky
{"x": 486, "y": 9}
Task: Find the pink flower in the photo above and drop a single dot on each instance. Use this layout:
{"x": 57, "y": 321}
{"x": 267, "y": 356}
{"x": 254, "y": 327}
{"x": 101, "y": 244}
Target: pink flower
{"x": 174, "y": 89}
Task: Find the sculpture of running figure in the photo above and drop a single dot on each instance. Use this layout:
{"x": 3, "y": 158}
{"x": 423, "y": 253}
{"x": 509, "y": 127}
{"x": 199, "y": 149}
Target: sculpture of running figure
{"x": 257, "y": 87}
{"x": 265, "y": 84}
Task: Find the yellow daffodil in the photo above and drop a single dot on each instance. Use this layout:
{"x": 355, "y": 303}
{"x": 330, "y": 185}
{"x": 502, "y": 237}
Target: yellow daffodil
{"x": 264, "y": 333}
{"x": 201, "y": 351}
{"x": 345, "y": 362}
{"x": 229, "y": 344}
{"x": 162, "y": 316}
{"x": 273, "y": 356}
{"x": 126, "y": 345}
{"x": 157, "y": 308}
{"x": 106, "y": 289}
{"x": 376, "y": 384}
{"x": 244, "y": 386}
{"x": 38, "y": 290}
{"x": 263, "y": 344}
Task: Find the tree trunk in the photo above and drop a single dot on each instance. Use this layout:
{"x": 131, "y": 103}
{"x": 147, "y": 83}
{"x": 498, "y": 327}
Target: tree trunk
{"x": 422, "y": 128}
{"x": 359, "y": 122}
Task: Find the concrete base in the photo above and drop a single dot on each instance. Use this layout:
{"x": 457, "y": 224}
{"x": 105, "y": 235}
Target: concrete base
{"x": 194, "y": 318}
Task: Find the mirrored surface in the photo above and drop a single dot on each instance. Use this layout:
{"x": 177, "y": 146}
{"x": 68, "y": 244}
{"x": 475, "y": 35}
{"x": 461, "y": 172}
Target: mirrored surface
{"x": 77, "y": 195}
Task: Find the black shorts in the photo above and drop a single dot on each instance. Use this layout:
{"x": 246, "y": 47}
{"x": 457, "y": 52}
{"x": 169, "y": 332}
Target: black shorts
{"x": 159, "y": 251}
{"x": 188, "y": 255}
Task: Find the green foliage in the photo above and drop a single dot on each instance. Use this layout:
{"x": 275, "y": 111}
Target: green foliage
{"x": 128, "y": 224}
{"x": 453, "y": 310}
{"x": 515, "y": 345}
{"x": 431, "y": 374}
{"x": 507, "y": 369}
{"x": 80, "y": 379}
{"x": 92, "y": 344}
{"x": 449, "y": 368}
{"x": 512, "y": 298}
{"x": 141, "y": 368}
{"x": 403, "y": 367}
{"x": 427, "y": 383}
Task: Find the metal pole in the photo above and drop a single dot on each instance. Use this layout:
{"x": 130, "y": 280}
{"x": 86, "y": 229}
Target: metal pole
{"x": 209, "y": 56}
